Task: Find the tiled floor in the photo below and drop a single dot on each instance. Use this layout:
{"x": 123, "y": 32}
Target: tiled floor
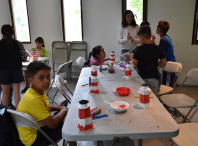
{"x": 191, "y": 91}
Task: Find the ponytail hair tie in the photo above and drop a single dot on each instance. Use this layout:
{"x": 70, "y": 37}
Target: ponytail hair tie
{"x": 7, "y": 33}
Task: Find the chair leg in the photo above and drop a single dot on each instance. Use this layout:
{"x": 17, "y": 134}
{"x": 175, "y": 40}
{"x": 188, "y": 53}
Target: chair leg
{"x": 69, "y": 90}
{"x": 50, "y": 88}
{"x": 64, "y": 142}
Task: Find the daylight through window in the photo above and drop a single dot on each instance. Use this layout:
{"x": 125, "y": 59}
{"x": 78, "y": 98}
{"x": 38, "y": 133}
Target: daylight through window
{"x": 72, "y": 20}
{"x": 20, "y": 20}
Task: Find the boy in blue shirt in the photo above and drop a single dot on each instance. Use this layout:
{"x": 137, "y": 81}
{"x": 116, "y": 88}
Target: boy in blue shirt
{"x": 146, "y": 58}
{"x": 167, "y": 47}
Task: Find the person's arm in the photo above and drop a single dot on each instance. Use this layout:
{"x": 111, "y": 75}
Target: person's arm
{"x": 53, "y": 122}
{"x": 121, "y": 39}
{"x": 135, "y": 62}
{"x": 162, "y": 58}
{"x": 45, "y": 53}
{"x": 57, "y": 108}
{"x": 22, "y": 51}
{"x": 162, "y": 62}
{"x": 136, "y": 39}
{"x": 164, "y": 44}
{"x": 107, "y": 59}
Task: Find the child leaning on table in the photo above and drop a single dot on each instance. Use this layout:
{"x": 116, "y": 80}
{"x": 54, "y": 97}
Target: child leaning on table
{"x": 98, "y": 54}
{"x": 36, "y": 104}
{"x": 146, "y": 58}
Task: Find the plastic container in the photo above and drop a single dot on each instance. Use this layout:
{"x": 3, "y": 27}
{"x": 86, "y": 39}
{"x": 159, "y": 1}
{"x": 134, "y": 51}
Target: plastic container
{"x": 123, "y": 90}
{"x": 119, "y": 104}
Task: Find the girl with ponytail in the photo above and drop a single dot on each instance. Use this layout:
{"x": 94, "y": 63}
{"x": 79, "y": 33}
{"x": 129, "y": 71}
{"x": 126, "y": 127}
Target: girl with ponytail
{"x": 12, "y": 54}
{"x": 98, "y": 54}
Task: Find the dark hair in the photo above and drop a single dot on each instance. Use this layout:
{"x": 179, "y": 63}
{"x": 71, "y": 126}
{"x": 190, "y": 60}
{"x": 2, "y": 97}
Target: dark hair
{"x": 7, "y": 32}
{"x": 95, "y": 51}
{"x": 164, "y": 26}
{"x": 124, "y": 21}
{"x": 145, "y": 23}
{"x": 40, "y": 40}
{"x": 36, "y": 66}
{"x": 144, "y": 31}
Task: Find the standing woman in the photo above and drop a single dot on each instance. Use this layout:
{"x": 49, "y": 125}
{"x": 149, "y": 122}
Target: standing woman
{"x": 127, "y": 33}
{"x": 12, "y": 54}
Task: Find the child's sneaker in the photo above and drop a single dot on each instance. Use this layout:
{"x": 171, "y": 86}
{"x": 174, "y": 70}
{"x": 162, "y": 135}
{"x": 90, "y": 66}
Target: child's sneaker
{"x": 64, "y": 103}
{"x": 11, "y": 106}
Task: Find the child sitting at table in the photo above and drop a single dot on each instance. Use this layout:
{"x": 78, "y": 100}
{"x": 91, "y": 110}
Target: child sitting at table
{"x": 36, "y": 104}
{"x": 146, "y": 58}
{"x": 167, "y": 47}
{"x": 98, "y": 54}
{"x": 41, "y": 51}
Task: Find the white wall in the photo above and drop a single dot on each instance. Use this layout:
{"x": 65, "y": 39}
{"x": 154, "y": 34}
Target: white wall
{"x": 101, "y": 19}
{"x": 180, "y": 15}
{"x": 5, "y": 17}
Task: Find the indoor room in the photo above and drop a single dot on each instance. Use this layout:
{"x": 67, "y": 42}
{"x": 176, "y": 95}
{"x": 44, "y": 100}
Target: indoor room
{"x": 99, "y": 72}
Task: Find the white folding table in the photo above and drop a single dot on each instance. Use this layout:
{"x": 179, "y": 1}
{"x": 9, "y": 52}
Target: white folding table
{"x": 43, "y": 59}
{"x": 154, "y": 122}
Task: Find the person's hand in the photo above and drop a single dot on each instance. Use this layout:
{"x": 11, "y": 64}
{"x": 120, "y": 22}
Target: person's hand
{"x": 129, "y": 36}
{"x": 27, "y": 54}
{"x": 153, "y": 42}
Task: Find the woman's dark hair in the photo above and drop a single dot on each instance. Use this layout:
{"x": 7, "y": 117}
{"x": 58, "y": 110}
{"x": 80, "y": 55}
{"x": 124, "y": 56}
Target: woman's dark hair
{"x": 7, "y": 32}
{"x": 40, "y": 40}
{"x": 95, "y": 51}
{"x": 124, "y": 21}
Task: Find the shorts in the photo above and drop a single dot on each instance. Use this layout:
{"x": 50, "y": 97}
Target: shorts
{"x": 8, "y": 76}
{"x": 55, "y": 134}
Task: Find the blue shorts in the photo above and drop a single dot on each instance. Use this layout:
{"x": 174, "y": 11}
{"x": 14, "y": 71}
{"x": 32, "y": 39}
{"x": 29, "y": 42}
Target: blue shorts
{"x": 8, "y": 76}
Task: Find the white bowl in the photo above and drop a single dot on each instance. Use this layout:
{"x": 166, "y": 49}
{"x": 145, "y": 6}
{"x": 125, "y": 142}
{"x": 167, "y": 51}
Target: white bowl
{"x": 118, "y": 103}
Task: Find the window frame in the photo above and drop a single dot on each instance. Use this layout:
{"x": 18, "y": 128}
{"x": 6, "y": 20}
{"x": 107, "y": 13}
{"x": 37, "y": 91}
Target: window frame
{"x": 13, "y": 24}
{"x": 195, "y": 25}
{"x": 145, "y": 7}
{"x": 63, "y": 21}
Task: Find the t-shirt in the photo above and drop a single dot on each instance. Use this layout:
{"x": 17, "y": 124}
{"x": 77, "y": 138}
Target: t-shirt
{"x": 122, "y": 37}
{"x": 43, "y": 52}
{"x": 167, "y": 47}
{"x": 38, "y": 107}
{"x": 12, "y": 59}
{"x": 96, "y": 62}
{"x": 147, "y": 56}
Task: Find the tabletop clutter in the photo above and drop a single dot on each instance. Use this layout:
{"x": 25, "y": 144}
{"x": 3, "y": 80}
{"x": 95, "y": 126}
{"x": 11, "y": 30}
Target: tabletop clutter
{"x": 34, "y": 55}
{"x": 87, "y": 114}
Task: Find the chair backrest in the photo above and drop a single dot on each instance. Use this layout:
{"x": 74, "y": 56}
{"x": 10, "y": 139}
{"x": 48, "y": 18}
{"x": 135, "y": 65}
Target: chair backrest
{"x": 26, "y": 120}
{"x": 77, "y": 48}
{"x": 23, "y": 119}
{"x": 80, "y": 61}
{"x": 172, "y": 67}
{"x": 60, "y": 82}
{"x": 60, "y": 53}
{"x": 63, "y": 68}
{"x": 193, "y": 74}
